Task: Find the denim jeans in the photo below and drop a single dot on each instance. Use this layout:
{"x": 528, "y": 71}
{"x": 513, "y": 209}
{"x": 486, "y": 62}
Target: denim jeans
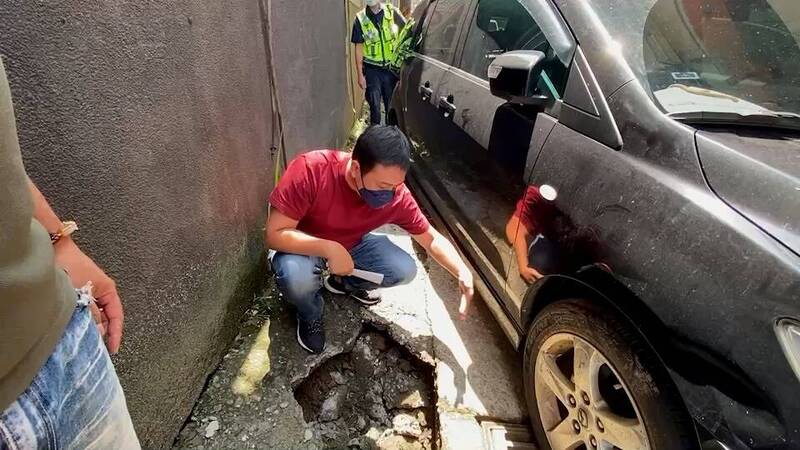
{"x": 299, "y": 277}
{"x": 380, "y": 86}
{"x": 75, "y": 401}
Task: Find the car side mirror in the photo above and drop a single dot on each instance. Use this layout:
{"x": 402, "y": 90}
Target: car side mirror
{"x": 514, "y": 76}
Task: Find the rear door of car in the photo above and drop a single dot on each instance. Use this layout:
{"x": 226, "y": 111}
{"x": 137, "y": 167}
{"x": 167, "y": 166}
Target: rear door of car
{"x": 423, "y": 74}
{"x": 478, "y": 170}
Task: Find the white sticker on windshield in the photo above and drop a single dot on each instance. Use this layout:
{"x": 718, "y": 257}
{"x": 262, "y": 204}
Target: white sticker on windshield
{"x": 685, "y": 76}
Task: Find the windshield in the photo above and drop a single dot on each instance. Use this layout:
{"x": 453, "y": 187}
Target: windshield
{"x": 718, "y": 56}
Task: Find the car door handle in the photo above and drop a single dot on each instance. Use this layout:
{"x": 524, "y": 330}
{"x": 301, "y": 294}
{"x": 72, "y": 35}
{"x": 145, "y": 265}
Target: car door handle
{"x": 426, "y": 91}
{"x": 447, "y": 106}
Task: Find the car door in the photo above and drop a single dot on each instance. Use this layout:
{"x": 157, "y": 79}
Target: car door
{"x": 423, "y": 74}
{"x": 486, "y": 143}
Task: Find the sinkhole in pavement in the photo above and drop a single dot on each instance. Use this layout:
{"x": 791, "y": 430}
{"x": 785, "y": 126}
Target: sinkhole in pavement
{"x": 376, "y": 396}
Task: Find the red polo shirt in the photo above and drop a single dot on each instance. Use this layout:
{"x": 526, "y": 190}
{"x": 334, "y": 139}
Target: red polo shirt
{"x": 314, "y": 191}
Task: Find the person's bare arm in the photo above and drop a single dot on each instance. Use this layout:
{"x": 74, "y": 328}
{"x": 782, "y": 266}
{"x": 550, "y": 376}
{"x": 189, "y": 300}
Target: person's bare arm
{"x": 81, "y": 269}
{"x": 42, "y": 211}
{"x": 282, "y": 235}
{"x": 359, "y": 57}
{"x": 517, "y": 235}
{"x": 443, "y": 251}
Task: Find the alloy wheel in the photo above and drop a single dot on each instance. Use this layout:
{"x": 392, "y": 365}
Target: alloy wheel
{"x": 583, "y": 403}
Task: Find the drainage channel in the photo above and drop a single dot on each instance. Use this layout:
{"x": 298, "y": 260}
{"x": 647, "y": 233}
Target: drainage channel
{"x": 376, "y": 396}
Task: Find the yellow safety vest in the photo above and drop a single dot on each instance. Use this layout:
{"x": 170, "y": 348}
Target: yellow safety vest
{"x": 379, "y": 45}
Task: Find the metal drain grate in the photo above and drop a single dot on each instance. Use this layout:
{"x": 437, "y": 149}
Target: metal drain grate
{"x": 504, "y": 436}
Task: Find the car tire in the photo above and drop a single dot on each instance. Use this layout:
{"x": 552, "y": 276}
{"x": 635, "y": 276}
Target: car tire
{"x": 621, "y": 393}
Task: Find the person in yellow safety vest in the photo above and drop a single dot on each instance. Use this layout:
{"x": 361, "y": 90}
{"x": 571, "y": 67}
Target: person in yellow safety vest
{"x": 375, "y": 34}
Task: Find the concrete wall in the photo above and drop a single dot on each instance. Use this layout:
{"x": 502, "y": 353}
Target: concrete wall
{"x": 311, "y": 58}
{"x": 148, "y": 122}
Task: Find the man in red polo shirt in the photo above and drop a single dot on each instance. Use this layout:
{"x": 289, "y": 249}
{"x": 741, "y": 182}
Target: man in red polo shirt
{"x": 323, "y": 211}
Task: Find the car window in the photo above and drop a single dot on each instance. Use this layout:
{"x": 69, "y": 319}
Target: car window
{"x": 711, "y": 56}
{"x": 501, "y": 26}
{"x": 442, "y": 33}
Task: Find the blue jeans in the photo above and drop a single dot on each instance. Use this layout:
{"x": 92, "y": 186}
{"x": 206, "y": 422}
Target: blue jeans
{"x": 380, "y": 86}
{"x": 299, "y": 277}
{"x": 75, "y": 401}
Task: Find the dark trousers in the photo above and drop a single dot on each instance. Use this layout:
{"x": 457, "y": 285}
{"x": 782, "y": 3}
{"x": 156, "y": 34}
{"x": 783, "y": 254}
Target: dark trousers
{"x": 380, "y": 85}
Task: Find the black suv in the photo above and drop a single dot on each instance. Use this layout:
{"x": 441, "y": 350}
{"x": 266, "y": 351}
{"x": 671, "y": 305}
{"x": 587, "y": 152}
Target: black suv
{"x": 624, "y": 177}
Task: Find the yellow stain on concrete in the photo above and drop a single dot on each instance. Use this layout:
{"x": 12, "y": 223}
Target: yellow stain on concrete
{"x": 255, "y": 366}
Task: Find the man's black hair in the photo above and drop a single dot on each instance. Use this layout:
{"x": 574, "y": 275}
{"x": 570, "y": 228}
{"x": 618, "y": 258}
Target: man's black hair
{"x": 382, "y": 144}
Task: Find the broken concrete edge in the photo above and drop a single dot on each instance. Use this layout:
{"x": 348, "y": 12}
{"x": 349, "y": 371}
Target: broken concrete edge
{"x": 426, "y": 355}
{"x": 312, "y": 362}
{"x": 445, "y": 407}
{"x": 369, "y": 406}
{"x": 423, "y": 355}
{"x": 459, "y": 431}
{"x": 456, "y": 428}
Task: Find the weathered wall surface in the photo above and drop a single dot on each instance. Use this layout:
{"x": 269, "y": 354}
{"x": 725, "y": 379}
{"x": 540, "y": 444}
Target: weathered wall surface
{"x": 311, "y": 59}
{"x": 149, "y": 122}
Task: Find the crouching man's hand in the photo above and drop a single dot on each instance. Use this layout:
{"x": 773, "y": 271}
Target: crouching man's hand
{"x": 339, "y": 260}
{"x": 446, "y": 254}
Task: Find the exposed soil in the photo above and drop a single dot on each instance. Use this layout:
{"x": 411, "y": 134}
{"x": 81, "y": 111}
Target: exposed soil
{"x": 376, "y": 396}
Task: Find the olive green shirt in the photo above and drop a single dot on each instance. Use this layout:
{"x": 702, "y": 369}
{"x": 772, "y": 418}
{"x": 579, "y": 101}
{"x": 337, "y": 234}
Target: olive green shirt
{"x": 36, "y": 298}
